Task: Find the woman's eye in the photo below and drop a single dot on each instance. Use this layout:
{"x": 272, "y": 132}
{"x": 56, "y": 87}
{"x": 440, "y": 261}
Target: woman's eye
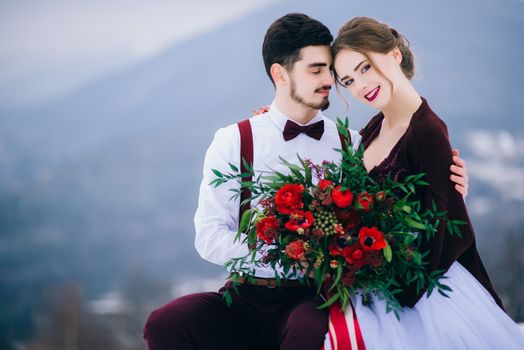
{"x": 348, "y": 82}
{"x": 365, "y": 68}
{"x": 316, "y": 72}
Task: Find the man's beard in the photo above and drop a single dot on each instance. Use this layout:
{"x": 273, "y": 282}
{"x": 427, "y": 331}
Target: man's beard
{"x": 321, "y": 106}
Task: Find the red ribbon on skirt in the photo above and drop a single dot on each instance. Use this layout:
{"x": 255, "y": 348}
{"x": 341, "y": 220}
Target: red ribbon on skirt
{"x": 344, "y": 329}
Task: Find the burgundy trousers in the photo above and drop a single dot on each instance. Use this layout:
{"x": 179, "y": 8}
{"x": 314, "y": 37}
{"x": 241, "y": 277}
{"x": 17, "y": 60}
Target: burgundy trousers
{"x": 259, "y": 318}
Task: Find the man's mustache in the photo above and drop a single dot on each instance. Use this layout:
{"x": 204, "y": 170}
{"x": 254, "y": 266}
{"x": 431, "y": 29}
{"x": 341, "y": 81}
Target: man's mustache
{"x": 323, "y": 88}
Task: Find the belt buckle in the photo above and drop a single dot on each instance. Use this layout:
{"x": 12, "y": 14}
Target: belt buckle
{"x": 268, "y": 284}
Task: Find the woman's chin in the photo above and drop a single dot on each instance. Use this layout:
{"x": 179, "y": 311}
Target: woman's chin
{"x": 379, "y": 103}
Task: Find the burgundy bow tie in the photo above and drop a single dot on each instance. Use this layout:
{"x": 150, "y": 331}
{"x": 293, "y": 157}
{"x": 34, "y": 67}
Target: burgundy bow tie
{"x": 315, "y": 130}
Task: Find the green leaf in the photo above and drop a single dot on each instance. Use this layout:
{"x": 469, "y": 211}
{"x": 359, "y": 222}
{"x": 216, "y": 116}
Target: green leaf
{"x": 217, "y": 182}
{"x": 227, "y": 297}
{"x": 444, "y": 294}
{"x": 430, "y": 290}
{"x": 252, "y": 235}
{"x": 330, "y": 301}
{"x": 308, "y": 176}
{"x": 217, "y": 173}
{"x": 233, "y": 167}
{"x": 247, "y": 165}
{"x": 414, "y": 223}
{"x": 338, "y": 276}
{"x": 388, "y": 254}
{"x": 416, "y": 258}
{"x": 444, "y": 287}
{"x": 450, "y": 227}
{"x": 244, "y": 221}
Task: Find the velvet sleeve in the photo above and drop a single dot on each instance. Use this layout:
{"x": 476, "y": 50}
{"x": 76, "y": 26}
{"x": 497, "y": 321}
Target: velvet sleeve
{"x": 428, "y": 151}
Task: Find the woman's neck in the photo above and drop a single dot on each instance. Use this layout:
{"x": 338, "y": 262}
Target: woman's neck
{"x": 403, "y": 104}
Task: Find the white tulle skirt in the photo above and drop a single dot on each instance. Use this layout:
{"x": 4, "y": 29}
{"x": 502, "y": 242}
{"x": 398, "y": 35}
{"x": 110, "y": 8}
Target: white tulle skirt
{"x": 468, "y": 319}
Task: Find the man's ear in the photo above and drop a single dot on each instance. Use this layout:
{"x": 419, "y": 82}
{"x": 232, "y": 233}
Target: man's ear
{"x": 278, "y": 73}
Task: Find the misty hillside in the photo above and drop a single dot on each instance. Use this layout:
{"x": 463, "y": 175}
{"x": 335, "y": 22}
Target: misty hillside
{"x": 105, "y": 180}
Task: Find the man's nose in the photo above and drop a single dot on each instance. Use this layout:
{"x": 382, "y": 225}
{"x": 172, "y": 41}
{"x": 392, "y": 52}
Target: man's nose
{"x": 329, "y": 79}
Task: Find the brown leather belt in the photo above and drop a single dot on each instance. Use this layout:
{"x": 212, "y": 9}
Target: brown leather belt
{"x": 267, "y": 282}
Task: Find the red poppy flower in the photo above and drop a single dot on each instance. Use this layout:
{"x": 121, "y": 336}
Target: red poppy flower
{"x": 371, "y": 239}
{"x": 342, "y": 199}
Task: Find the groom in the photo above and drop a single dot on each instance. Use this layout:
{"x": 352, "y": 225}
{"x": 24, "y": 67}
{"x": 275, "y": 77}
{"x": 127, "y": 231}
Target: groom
{"x": 296, "y": 52}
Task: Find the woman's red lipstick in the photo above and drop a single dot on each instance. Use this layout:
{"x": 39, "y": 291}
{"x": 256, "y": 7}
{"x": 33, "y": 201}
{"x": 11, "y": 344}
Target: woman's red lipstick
{"x": 370, "y": 96}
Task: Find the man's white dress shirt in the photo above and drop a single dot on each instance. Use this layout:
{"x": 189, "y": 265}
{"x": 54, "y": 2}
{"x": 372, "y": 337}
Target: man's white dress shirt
{"x": 216, "y": 218}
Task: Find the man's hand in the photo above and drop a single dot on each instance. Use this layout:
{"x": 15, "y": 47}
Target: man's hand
{"x": 459, "y": 174}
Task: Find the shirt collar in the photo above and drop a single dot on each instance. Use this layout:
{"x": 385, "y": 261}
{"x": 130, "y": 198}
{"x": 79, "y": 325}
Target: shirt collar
{"x": 280, "y": 119}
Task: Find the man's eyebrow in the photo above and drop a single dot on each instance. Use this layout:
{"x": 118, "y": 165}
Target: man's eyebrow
{"x": 318, "y": 64}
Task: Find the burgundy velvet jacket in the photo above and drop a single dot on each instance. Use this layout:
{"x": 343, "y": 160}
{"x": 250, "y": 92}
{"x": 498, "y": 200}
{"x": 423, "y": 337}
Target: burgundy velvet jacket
{"x": 425, "y": 148}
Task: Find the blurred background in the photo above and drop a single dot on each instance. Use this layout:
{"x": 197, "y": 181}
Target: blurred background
{"x": 107, "y": 109}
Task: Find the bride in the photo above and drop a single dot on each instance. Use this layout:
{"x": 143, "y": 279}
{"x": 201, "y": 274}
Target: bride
{"x": 375, "y": 64}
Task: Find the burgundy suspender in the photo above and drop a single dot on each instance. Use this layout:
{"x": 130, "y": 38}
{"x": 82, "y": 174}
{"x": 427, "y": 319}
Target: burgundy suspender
{"x": 246, "y": 153}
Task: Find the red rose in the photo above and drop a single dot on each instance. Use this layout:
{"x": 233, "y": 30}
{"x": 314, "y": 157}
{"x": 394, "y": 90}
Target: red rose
{"x": 295, "y": 250}
{"x": 364, "y": 201}
{"x": 371, "y": 239}
{"x": 289, "y": 198}
{"x": 267, "y": 229}
{"x": 299, "y": 220}
{"x": 380, "y": 196}
{"x": 323, "y": 184}
{"x": 342, "y": 199}
{"x": 353, "y": 255}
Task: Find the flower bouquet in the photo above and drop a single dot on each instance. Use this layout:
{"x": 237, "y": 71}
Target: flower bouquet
{"x": 334, "y": 226}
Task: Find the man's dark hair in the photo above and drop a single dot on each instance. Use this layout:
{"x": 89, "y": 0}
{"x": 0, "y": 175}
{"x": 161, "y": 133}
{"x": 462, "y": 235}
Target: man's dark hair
{"x": 287, "y": 35}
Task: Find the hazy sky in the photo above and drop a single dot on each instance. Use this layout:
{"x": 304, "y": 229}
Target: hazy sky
{"x": 49, "y": 47}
